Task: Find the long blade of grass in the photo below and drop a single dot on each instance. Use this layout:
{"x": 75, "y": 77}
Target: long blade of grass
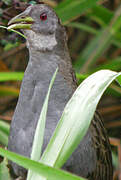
{"x": 4, "y": 132}
{"x": 44, "y": 170}
{"x": 11, "y": 76}
{"x": 83, "y": 27}
{"x": 3, "y": 138}
{"x": 12, "y": 30}
{"x": 99, "y": 44}
{"x": 4, "y": 170}
{"x": 94, "y": 50}
{"x": 4, "y": 127}
{"x": 39, "y": 134}
{"x": 112, "y": 64}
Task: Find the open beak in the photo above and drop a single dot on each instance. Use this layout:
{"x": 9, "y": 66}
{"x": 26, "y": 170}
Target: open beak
{"x": 21, "y": 21}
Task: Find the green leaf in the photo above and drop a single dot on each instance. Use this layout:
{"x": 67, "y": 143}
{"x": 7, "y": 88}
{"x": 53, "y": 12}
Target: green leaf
{"x": 99, "y": 44}
{"x": 11, "y": 76}
{"x": 39, "y": 168}
{"x": 39, "y": 134}
{"x": 112, "y": 64}
{"x": 4, "y": 127}
{"x": 83, "y": 27}
{"x": 12, "y": 30}
{"x": 3, "y": 138}
{"x": 4, "y": 171}
{"x": 93, "y": 50}
{"x": 119, "y": 80}
{"x": 4, "y": 132}
{"x": 100, "y": 14}
{"x": 72, "y": 127}
{"x": 81, "y": 77}
{"x": 9, "y": 46}
{"x": 70, "y": 9}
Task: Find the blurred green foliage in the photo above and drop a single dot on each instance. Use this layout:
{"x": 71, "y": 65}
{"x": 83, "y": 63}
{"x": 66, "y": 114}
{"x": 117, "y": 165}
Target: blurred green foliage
{"x": 94, "y": 30}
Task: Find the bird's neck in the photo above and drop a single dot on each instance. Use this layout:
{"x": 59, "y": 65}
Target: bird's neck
{"x": 43, "y": 61}
{"x": 46, "y": 61}
{"x": 40, "y": 42}
{"x": 50, "y": 49}
{"x": 55, "y": 43}
{"x": 45, "y": 64}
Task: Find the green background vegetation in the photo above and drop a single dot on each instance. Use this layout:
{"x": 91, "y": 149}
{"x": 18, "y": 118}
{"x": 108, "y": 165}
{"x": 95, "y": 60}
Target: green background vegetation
{"x": 94, "y": 39}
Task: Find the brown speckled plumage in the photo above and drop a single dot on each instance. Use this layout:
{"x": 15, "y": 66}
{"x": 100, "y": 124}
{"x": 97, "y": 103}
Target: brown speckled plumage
{"x": 104, "y": 170}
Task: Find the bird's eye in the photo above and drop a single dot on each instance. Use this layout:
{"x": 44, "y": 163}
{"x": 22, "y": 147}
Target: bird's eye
{"x": 43, "y": 16}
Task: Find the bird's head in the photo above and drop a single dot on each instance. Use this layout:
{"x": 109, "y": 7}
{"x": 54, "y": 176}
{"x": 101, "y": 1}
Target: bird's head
{"x": 39, "y": 24}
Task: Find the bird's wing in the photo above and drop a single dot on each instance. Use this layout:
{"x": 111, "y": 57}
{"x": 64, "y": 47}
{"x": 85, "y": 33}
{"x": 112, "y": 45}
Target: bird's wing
{"x": 104, "y": 168}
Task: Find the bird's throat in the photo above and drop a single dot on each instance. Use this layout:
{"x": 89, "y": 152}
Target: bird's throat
{"x": 40, "y": 42}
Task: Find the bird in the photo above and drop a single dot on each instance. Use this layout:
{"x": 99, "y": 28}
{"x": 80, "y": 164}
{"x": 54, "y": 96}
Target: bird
{"x": 46, "y": 40}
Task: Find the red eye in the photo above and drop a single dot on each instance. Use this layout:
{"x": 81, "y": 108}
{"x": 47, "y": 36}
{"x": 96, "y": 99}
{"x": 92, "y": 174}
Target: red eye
{"x": 43, "y": 16}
